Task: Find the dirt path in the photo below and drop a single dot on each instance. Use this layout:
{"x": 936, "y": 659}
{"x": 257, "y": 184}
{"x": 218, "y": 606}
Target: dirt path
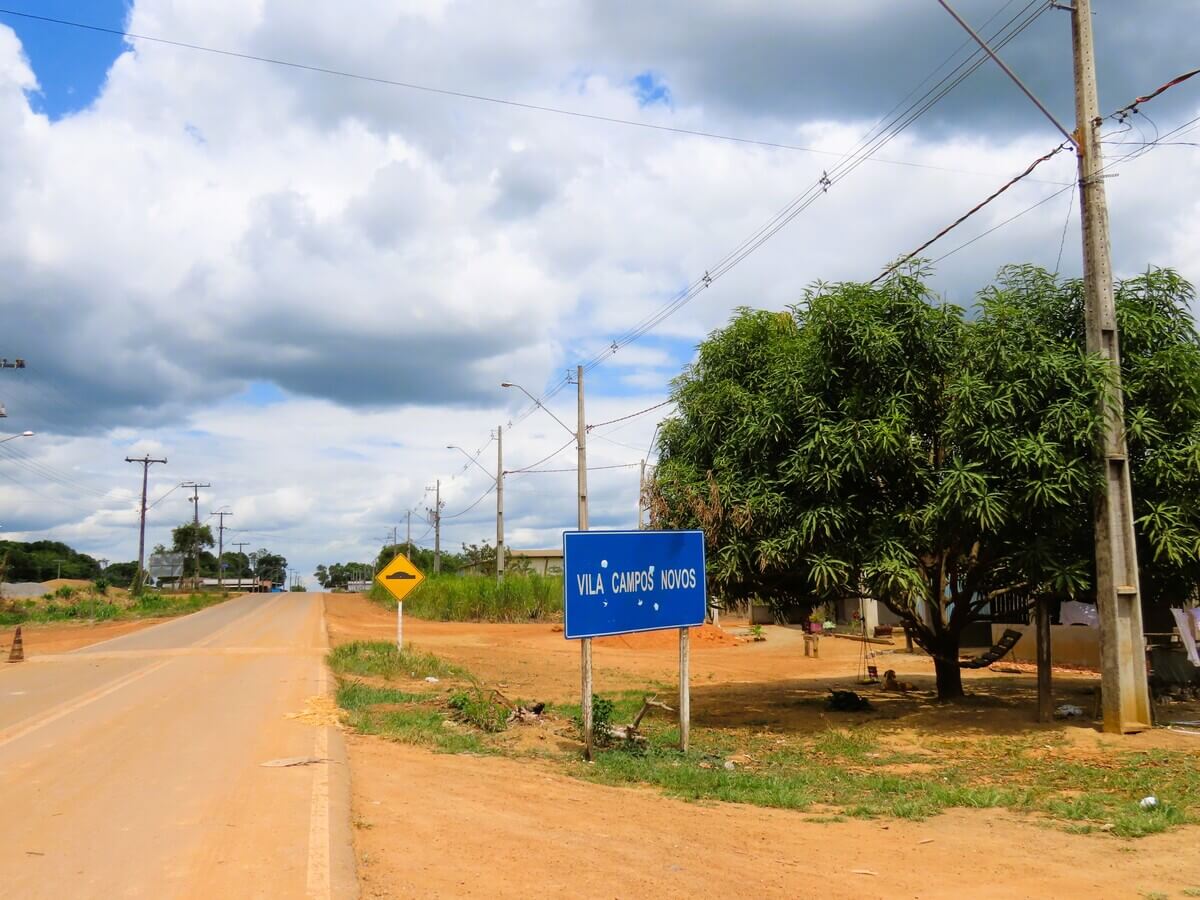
{"x": 458, "y": 826}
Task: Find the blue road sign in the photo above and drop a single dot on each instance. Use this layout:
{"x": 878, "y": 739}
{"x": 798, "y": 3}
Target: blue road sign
{"x": 616, "y": 582}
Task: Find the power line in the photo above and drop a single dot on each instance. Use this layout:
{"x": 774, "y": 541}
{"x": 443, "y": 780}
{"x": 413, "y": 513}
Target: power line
{"x": 569, "y": 442}
{"x": 472, "y": 506}
{"x": 640, "y": 412}
{"x": 974, "y": 209}
{"x": 462, "y": 95}
{"x": 871, "y": 143}
{"x": 53, "y": 500}
{"x": 900, "y": 123}
{"x": 1119, "y": 114}
{"x": 573, "y": 469}
{"x": 1132, "y": 107}
{"x": 50, "y": 473}
{"x": 164, "y": 496}
{"x": 1062, "y": 243}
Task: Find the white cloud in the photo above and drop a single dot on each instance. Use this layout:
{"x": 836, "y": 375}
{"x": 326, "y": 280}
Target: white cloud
{"x": 385, "y": 257}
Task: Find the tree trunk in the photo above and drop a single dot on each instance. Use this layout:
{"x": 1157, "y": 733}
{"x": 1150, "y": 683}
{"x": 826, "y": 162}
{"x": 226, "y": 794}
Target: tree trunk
{"x": 949, "y": 675}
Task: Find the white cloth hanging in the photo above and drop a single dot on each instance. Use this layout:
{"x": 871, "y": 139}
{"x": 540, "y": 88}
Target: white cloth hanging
{"x": 1188, "y": 635}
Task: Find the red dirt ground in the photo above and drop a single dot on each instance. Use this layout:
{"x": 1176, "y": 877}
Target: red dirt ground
{"x": 433, "y": 825}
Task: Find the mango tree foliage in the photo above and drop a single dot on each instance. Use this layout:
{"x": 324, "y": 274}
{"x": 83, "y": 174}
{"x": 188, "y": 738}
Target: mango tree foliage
{"x": 874, "y": 441}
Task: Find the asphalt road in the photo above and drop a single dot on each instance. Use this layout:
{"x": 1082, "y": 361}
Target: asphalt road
{"x": 133, "y": 768}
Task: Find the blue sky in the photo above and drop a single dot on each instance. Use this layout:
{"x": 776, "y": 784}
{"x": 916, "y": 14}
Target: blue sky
{"x": 70, "y": 63}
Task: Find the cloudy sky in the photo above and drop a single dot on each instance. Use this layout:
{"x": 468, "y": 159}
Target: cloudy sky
{"x": 301, "y": 287}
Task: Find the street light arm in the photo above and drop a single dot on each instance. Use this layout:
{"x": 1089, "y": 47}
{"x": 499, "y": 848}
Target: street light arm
{"x": 472, "y": 459}
{"x": 15, "y": 436}
{"x": 543, "y": 407}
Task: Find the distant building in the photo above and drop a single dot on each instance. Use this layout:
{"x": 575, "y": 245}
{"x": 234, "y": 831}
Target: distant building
{"x": 538, "y": 562}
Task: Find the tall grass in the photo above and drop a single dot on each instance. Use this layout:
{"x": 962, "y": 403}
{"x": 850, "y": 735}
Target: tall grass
{"x": 481, "y": 598}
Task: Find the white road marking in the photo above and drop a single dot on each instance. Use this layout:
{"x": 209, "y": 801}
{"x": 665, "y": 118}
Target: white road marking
{"x": 65, "y": 709}
{"x": 319, "y": 877}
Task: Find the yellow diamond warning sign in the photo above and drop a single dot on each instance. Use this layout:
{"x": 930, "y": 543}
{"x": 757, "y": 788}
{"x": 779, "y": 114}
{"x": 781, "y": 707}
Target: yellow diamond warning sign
{"x": 400, "y": 577}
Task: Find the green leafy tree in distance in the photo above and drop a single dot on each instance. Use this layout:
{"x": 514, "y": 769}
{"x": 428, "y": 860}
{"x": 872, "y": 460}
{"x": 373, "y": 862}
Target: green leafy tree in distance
{"x": 189, "y": 539}
{"x": 876, "y": 442}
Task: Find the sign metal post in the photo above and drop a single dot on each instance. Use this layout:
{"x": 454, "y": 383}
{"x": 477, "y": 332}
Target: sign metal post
{"x": 400, "y": 578}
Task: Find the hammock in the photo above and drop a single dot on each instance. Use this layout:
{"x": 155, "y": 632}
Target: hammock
{"x": 1007, "y": 641}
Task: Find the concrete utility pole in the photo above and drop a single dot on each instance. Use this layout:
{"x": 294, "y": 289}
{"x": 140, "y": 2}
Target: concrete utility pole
{"x": 585, "y": 644}
{"x": 580, "y": 434}
{"x": 408, "y": 533}
{"x": 1123, "y": 684}
{"x": 499, "y": 502}
{"x": 195, "y": 486}
{"x": 241, "y": 552}
{"x": 221, "y": 548}
{"x": 498, "y": 479}
{"x": 436, "y": 517}
{"x": 641, "y": 491}
{"x": 146, "y": 462}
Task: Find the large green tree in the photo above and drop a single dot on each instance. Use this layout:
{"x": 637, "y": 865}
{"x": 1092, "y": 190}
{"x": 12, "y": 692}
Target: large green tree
{"x": 190, "y": 539}
{"x": 41, "y": 560}
{"x": 874, "y": 441}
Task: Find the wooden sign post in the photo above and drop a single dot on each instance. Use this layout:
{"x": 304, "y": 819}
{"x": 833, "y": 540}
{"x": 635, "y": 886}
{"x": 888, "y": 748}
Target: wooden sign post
{"x": 685, "y": 693}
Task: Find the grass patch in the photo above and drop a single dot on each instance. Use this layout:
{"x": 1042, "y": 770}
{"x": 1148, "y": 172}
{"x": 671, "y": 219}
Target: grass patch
{"x": 70, "y": 605}
{"x": 481, "y": 598}
{"x": 420, "y": 717}
{"x": 354, "y": 696}
{"x": 846, "y": 772}
{"x": 381, "y": 659}
{"x": 410, "y": 717}
{"x": 845, "y": 744}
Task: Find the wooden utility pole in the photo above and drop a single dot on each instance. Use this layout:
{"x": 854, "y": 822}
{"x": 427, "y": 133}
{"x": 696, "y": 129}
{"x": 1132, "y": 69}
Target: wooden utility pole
{"x": 1126, "y": 697}
{"x": 146, "y": 462}
{"x": 241, "y": 552}
{"x": 499, "y": 502}
{"x": 195, "y": 486}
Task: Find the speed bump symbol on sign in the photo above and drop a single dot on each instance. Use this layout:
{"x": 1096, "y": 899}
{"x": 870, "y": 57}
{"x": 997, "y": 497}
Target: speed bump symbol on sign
{"x": 400, "y": 577}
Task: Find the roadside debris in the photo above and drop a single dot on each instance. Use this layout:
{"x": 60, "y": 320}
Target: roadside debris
{"x": 847, "y": 701}
{"x": 630, "y": 733}
{"x": 289, "y": 761}
{"x": 1068, "y": 711}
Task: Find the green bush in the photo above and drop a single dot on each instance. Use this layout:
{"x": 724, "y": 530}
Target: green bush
{"x": 602, "y": 717}
{"x": 479, "y": 709}
{"x": 481, "y": 598}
